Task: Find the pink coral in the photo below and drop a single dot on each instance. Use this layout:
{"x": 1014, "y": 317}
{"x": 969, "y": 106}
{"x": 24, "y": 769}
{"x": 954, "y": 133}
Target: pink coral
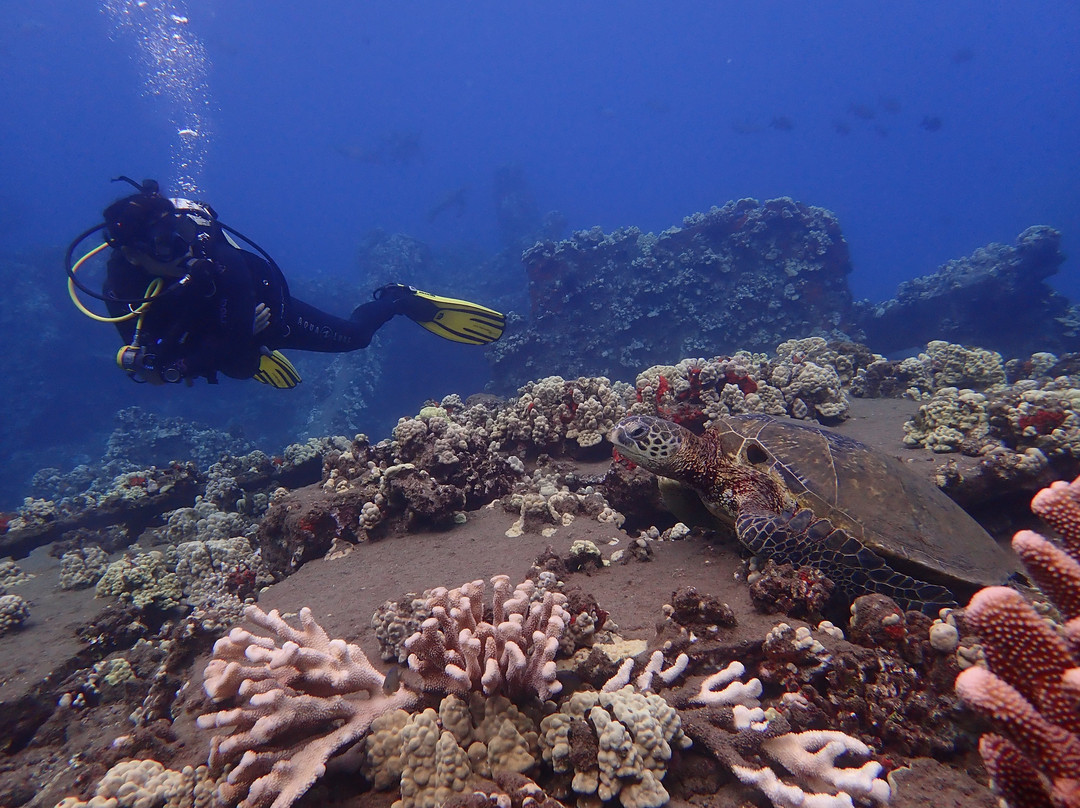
{"x": 457, "y": 651}
{"x": 1032, "y": 686}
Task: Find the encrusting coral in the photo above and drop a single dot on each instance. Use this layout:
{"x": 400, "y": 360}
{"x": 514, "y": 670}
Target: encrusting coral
{"x": 1031, "y": 689}
{"x": 635, "y": 734}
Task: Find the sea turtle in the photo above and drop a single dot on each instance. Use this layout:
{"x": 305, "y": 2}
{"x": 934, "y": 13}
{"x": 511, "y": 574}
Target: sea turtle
{"x": 800, "y": 493}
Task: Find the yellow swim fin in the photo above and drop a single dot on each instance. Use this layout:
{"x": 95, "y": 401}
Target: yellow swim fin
{"x": 276, "y": 371}
{"x": 457, "y": 320}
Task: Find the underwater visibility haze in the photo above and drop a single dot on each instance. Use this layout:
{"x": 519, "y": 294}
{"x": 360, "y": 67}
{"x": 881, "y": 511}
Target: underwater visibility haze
{"x": 686, "y": 216}
{"x": 929, "y": 131}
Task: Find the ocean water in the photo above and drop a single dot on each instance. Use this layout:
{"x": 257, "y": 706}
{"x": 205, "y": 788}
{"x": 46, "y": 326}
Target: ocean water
{"x": 929, "y": 129}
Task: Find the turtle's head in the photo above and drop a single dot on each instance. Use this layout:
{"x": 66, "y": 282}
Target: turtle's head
{"x": 650, "y": 442}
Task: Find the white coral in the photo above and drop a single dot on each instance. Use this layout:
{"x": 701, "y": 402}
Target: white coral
{"x": 811, "y": 758}
{"x": 302, "y": 696}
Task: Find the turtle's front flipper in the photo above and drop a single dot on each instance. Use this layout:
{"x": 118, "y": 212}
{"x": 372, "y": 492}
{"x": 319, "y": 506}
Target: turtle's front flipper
{"x": 801, "y": 540}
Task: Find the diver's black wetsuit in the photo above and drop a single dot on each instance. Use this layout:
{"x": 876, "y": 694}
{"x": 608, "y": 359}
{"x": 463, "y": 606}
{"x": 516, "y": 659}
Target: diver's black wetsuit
{"x": 202, "y": 326}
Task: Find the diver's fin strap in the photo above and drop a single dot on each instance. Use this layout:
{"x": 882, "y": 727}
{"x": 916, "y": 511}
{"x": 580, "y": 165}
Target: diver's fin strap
{"x": 462, "y": 321}
{"x": 277, "y": 371}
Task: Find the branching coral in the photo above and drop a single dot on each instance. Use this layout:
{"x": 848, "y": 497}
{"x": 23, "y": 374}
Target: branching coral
{"x": 302, "y": 696}
{"x": 736, "y": 730}
{"x": 1031, "y": 689}
{"x": 457, "y": 651}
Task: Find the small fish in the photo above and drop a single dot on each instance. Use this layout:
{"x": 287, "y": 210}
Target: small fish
{"x": 392, "y": 681}
{"x": 931, "y": 123}
{"x": 890, "y": 105}
{"x": 782, "y": 123}
{"x": 395, "y": 148}
{"x": 962, "y": 55}
{"x": 864, "y": 111}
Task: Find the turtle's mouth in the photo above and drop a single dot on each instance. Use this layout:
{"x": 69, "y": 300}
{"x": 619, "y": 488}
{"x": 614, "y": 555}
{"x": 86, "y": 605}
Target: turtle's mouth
{"x": 621, "y": 440}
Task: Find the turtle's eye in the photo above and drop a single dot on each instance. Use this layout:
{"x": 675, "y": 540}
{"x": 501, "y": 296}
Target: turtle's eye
{"x": 755, "y": 453}
{"x": 637, "y": 430}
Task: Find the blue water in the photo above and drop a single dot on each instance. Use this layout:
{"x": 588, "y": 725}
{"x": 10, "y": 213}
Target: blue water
{"x": 930, "y": 129}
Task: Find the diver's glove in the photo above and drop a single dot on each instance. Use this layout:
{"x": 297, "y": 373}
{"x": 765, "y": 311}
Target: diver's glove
{"x": 262, "y": 319}
{"x": 447, "y": 317}
{"x": 276, "y": 371}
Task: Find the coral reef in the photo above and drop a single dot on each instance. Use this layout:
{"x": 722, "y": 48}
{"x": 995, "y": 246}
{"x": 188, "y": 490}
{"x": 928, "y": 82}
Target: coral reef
{"x": 632, "y": 736}
{"x": 81, "y": 567}
{"x": 804, "y": 380}
{"x": 426, "y": 475}
{"x": 559, "y": 415}
{"x": 301, "y": 696}
{"x": 1029, "y": 691}
{"x": 139, "y": 783}
{"x": 747, "y": 275}
{"x": 457, "y": 651}
{"x": 144, "y": 580}
{"x": 952, "y": 302}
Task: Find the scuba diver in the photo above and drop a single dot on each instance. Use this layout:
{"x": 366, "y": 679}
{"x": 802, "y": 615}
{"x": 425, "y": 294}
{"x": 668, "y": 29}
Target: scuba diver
{"x": 190, "y": 302}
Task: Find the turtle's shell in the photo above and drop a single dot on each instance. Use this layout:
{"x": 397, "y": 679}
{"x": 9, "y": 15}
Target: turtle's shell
{"x": 878, "y": 500}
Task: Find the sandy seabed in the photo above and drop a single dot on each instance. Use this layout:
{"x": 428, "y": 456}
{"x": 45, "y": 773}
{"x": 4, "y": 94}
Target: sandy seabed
{"x": 344, "y": 593}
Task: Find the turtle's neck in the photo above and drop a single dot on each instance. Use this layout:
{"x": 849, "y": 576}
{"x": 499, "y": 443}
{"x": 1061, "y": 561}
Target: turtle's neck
{"x": 732, "y": 485}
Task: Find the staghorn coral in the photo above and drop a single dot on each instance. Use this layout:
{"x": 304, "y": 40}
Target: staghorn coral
{"x": 749, "y": 740}
{"x": 811, "y": 757}
{"x": 1030, "y": 690}
{"x": 457, "y": 651}
{"x": 301, "y": 697}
